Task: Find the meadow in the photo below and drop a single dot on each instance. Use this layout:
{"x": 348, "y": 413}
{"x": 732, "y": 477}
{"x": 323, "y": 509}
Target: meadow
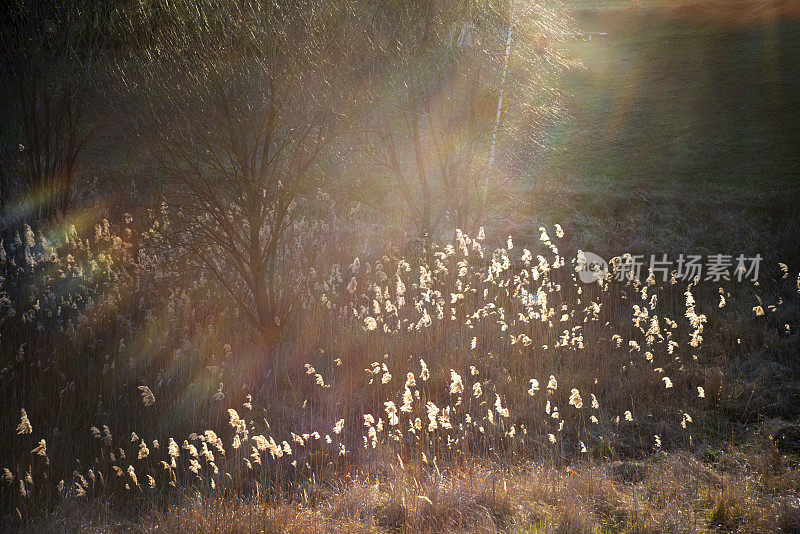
{"x": 469, "y": 380}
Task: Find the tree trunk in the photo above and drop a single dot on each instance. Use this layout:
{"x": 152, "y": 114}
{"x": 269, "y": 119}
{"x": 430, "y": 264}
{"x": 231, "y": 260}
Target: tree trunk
{"x": 265, "y": 314}
{"x": 419, "y": 158}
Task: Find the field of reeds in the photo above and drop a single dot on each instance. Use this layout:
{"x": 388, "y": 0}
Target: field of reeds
{"x": 206, "y": 333}
{"x": 485, "y": 389}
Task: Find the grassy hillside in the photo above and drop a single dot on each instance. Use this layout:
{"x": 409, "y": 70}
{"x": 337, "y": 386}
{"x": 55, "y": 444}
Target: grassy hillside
{"x": 683, "y": 130}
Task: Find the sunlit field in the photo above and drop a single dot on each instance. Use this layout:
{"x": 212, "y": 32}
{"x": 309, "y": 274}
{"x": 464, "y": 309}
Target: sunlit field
{"x": 421, "y": 267}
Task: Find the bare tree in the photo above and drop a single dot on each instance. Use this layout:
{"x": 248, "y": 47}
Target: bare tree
{"x": 241, "y": 103}
{"x": 425, "y": 100}
{"x": 438, "y": 93}
{"x": 48, "y": 50}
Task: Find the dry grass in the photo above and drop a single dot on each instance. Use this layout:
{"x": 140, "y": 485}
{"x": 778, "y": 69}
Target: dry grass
{"x": 674, "y": 494}
{"x": 407, "y": 395}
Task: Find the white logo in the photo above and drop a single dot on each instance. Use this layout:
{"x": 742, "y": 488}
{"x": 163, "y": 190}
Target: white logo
{"x": 591, "y": 267}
